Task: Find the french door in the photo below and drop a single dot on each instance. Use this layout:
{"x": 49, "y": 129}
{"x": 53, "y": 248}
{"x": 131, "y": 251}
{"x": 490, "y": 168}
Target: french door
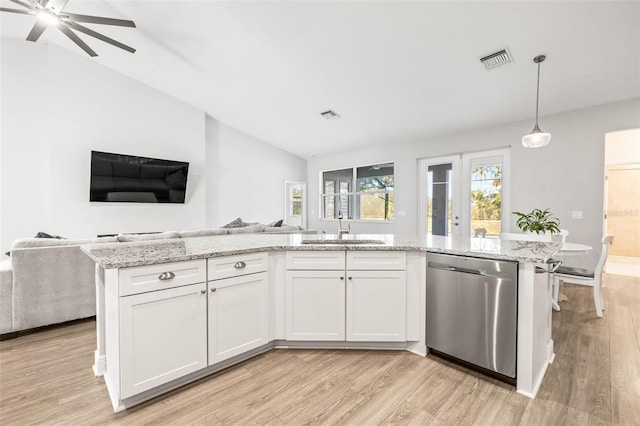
{"x": 465, "y": 195}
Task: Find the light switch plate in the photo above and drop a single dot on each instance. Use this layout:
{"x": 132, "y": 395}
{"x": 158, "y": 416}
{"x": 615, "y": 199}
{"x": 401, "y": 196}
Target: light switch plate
{"x": 576, "y": 214}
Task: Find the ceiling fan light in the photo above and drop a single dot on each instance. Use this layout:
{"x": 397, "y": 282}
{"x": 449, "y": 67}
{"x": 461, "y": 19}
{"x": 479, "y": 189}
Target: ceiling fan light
{"x": 49, "y": 18}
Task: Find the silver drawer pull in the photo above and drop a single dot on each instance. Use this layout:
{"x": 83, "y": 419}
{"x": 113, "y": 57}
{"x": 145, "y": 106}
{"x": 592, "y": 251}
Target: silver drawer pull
{"x": 213, "y": 290}
{"x": 203, "y": 291}
{"x": 240, "y": 265}
{"x": 166, "y": 276}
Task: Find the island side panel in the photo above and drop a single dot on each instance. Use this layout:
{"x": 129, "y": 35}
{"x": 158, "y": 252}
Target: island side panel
{"x": 416, "y": 302}
{"x": 535, "y": 346}
{"x": 99, "y": 360}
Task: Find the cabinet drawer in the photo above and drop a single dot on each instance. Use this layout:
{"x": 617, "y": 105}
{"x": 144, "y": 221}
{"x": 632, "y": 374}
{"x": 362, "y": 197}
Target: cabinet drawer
{"x": 234, "y": 266}
{"x": 142, "y": 279}
{"x": 315, "y": 260}
{"x": 376, "y": 260}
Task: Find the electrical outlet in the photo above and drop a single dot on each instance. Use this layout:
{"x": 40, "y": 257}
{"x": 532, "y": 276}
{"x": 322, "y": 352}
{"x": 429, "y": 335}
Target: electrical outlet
{"x": 576, "y": 214}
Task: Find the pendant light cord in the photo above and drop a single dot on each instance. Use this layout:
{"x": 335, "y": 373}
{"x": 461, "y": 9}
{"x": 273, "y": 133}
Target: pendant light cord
{"x": 537, "y": 94}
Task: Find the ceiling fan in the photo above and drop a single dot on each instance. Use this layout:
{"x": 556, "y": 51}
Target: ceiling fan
{"x": 49, "y": 12}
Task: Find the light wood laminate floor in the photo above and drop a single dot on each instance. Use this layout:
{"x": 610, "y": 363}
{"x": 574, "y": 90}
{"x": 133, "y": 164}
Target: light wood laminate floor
{"x": 46, "y": 378}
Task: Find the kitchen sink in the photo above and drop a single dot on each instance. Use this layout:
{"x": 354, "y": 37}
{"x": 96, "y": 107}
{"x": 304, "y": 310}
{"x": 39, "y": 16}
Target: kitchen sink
{"x": 337, "y": 241}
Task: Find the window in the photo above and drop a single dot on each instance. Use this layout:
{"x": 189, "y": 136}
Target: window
{"x": 371, "y": 200}
{"x": 295, "y": 203}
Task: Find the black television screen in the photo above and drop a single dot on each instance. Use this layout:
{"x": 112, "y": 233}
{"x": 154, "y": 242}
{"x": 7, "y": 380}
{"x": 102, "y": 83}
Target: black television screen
{"x": 127, "y": 178}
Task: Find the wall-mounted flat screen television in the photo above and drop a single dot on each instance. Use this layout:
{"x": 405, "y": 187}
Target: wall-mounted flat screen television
{"x": 128, "y": 178}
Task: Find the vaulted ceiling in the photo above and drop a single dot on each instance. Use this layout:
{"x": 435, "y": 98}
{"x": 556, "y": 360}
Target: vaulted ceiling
{"x": 395, "y": 71}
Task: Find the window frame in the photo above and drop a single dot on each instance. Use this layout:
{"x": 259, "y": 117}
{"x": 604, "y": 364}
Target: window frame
{"x": 353, "y": 196}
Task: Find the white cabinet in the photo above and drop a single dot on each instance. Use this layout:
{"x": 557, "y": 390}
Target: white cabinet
{"x": 238, "y": 315}
{"x": 376, "y": 306}
{"x": 358, "y": 297}
{"x": 315, "y": 304}
{"x": 238, "y": 305}
{"x": 163, "y": 336}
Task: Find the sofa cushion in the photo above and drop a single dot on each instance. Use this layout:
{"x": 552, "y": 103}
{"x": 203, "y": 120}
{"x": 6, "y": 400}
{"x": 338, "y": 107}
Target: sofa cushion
{"x": 6, "y": 297}
{"x": 283, "y": 228}
{"x": 52, "y": 242}
{"x": 126, "y": 238}
{"x": 203, "y": 232}
{"x": 277, "y": 223}
{"x": 247, "y": 229}
{"x": 235, "y": 223}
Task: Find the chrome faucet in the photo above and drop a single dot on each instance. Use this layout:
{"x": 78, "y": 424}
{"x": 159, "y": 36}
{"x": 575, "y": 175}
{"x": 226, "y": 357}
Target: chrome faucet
{"x": 342, "y": 231}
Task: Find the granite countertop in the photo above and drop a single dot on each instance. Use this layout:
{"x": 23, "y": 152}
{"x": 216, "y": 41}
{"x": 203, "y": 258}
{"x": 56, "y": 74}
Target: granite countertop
{"x": 123, "y": 255}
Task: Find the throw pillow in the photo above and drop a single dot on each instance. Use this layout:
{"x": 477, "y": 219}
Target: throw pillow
{"x": 45, "y": 235}
{"x": 236, "y": 223}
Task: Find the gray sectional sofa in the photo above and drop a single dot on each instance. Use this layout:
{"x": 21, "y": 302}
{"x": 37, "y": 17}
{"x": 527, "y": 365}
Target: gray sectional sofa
{"x": 49, "y": 281}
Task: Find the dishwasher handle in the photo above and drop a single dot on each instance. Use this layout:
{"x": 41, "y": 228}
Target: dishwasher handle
{"x": 448, "y": 268}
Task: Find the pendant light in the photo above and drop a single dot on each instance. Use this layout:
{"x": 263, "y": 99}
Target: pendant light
{"x": 537, "y": 138}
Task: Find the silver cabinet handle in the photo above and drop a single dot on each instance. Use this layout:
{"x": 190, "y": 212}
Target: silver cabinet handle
{"x": 213, "y": 290}
{"x": 166, "y": 276}
{"x": 203, "y": 291}
{"x": 350, "y": 278}
{"x": 240, "y": 265}
{"x": 342, "y": 278}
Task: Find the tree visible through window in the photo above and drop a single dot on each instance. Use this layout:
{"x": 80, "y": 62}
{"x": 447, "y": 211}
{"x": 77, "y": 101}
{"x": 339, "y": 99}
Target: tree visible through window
{"x": 486, "y": 200}
{"x": 373, "y": 199}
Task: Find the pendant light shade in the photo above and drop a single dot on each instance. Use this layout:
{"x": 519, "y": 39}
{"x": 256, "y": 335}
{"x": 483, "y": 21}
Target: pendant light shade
{"x": 536, "y": 138}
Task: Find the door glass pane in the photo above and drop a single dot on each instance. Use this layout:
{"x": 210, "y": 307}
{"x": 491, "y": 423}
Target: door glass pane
{"x": 623, "y": 211}
{"x": 486, "y": 197}
{"x": 439, "y": 207}
{"x": 295, "y": 200}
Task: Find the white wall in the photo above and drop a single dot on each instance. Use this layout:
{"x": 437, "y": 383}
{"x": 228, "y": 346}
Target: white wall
{"x": 564, "y": 176}
{"x": 57, "y": 106}
{"x": 247, "y": 176}
{"x": 622, "y": 147}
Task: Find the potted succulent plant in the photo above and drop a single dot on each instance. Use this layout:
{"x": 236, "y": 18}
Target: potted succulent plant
{"x": 538, "y": 221}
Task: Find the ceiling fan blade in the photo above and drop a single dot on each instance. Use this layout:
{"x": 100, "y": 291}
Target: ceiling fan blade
{"x": 25, "y": 12}
{"x": 77, "y": 40}
{"x": 21, "y": 3}
{"x": 55, "y": 5}
{"x": 99, "y": 20}
{"x": 37, "y": 30}
{"x": 88, "y": 31}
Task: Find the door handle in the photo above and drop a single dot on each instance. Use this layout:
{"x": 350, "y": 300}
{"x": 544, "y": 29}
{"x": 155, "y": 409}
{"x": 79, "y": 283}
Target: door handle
{"x": 240, "y": 265}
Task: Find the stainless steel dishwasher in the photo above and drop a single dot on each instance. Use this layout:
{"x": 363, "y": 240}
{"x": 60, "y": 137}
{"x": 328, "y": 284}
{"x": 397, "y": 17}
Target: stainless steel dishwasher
{"x": 472, "y": 311}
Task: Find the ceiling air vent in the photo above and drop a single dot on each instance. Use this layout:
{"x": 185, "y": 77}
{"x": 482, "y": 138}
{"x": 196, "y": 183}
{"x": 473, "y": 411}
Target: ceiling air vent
{"x": 330, "y": 115}
{"x": 496, "y": 59}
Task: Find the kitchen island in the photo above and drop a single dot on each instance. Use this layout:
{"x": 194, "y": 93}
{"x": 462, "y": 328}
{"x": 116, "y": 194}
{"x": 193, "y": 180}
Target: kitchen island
{"x": 172, "y": 311}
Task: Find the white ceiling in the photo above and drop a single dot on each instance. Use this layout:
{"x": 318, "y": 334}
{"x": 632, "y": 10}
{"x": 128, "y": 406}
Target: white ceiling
{"x": 395, "y": 71}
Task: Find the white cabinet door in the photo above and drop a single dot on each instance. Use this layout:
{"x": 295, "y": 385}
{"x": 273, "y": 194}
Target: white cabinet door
{"x": 376, "y": 306}
{"x": 315, "y": 303}
{"x": 238, "y": 315}
{"x": 163, "y": 336}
